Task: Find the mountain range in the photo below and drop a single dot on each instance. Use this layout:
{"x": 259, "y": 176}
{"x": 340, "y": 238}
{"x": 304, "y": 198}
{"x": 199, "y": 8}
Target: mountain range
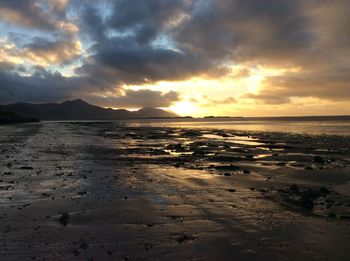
{"x": 80, "y": 110}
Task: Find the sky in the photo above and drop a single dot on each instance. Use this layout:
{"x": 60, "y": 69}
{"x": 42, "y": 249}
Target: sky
{"x": 195, "y": 57}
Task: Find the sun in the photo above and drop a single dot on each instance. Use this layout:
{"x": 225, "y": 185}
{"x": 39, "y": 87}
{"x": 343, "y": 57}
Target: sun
{"x": 184, "y": 108}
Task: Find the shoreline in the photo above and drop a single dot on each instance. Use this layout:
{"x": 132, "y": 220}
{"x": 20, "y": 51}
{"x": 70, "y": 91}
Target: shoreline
{"x": 96, "y": 190}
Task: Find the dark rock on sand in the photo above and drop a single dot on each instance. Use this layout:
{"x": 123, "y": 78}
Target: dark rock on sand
{"x": 318, "y": 159}
{"x": 221, "y": 158}
{"x": 294, "y": 188}
{"x": 184, "y": 238}
{"x": 191, "y": 134}
{"x": 305, "y": 197}
{"x": 307, "y": 203}
{"x": 64, "y": 219}
{"x": 227, "y": 167}
{"x": 26, "y": 168}
{"x": 332, "y": 215}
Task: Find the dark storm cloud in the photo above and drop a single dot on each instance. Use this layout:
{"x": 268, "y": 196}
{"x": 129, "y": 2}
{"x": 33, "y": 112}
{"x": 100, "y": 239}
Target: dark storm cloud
{"x": 39, "y": 87}
{"x": 44, "y": 86}
{"x": 252, "y": 30}
{"x": 136, "y": 42}
{"x": 131, "y": 56}
{"x": 146, "y": 19}
{"x": 137, "y": 64}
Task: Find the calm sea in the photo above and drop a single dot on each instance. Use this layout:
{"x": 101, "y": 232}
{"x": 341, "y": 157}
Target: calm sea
{"x": 303, "y": 125}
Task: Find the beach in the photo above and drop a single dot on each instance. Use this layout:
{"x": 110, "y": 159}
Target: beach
{"x": 112, "y": 191}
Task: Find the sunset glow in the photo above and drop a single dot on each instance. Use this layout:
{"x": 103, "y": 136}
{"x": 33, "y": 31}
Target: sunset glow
{"x": 51, "y": 51}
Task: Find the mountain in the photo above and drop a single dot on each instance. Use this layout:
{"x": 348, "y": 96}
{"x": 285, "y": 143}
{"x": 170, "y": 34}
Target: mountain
{"x": 7, "y": 117}
{"x": 80, "y": 110}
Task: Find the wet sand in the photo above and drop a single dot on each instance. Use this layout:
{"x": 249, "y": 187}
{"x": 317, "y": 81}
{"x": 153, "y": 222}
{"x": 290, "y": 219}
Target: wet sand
{"x": 99, "y": 191}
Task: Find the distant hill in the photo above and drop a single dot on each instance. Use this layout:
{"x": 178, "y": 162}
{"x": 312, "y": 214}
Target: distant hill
{"x": 7, "y": 117}
{"x": 80, "y": 110}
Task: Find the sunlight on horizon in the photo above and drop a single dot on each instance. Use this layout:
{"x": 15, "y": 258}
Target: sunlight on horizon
{"x": 224, "y": 96}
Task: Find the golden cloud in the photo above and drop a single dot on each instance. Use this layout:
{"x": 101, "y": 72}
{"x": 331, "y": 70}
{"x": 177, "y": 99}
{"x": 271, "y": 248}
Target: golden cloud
{"x": 13, "y": 16}
{"x": 52, "y": 53}
{"x": 55, "y": 53}
{"x": 32, "y": 14}
{"x": 67, "y": 27}
{"x": 9, "y": 53}
{"x": 58, "y": 4}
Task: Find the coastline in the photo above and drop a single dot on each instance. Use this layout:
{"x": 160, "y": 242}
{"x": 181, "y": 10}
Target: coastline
{"x": 171, "y": 193}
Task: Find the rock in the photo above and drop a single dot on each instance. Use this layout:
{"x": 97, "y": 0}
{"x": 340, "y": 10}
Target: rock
{"x": 249, "y": 157}
{"x": 246, "y": 171}
{"x": 191, "y": 134}
{"x": 307, "y": 203}
{"x": 64, "y": 219}
{"x": 294, "y": 188}
{"x": 318, "y": 159}
{"x": 84, "y": 246}
{"x": 281, "y": 163}
{"x": 231, "y": 190}
{"x": 330, "y": 203}
{"x": 26, "y": 168}
{"x": 332, "y": 215}
{"x": 324, "y": 191}
{"x": 184, "y": 238}
{"x": 227, "y": 167}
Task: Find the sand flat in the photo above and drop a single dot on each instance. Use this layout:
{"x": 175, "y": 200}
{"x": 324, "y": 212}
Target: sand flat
{"x": 100, "y": 191}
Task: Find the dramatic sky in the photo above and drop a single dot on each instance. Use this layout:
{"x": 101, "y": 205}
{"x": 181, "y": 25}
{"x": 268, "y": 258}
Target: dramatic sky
{"x": 196, "y": 57}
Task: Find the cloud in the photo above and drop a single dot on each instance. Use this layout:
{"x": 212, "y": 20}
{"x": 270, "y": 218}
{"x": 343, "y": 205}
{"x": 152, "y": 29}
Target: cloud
{"x": 59, "y": 5}
{"x": 246, "y": 31}
{"x": 133, "y": 64}
{"x": 310, "y": 35}
{"x": 136, "y": 42}
{"x": 43, "y": 15}
{"x": 9, "y": 53}
{"x": 44, "y": 53}
{"x": 138, "y": 99}
{"x": 42, "y": 86}
{"x": 40, "y": 52}
{"x": 208, "y": 102}
{"x": 327, "y": 84}
{"x": 130, "y": 53}
{"x": 47, "y": 86}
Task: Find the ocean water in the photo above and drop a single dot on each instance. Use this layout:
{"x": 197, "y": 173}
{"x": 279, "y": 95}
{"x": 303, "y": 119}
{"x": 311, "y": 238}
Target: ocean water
{"x": 327, "y": 126}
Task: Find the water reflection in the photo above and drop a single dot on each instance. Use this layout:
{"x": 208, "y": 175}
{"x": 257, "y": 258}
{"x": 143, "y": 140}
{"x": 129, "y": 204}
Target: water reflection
{"x": 292, "y": 126}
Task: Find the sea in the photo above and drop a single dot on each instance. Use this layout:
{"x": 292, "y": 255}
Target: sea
{"x": 327, "y": 125}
